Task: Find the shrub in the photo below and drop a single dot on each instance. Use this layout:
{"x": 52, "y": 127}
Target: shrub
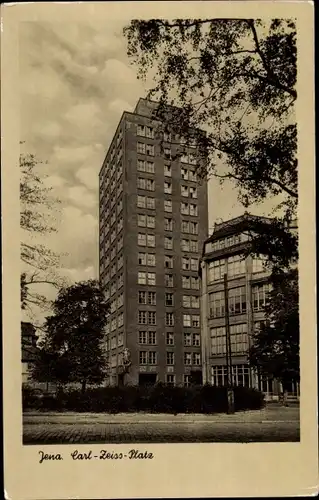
{"x": 159, "y": 398}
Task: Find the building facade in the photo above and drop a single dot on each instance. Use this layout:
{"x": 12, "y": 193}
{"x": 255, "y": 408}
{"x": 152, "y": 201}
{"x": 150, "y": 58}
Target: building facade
{"x": 247, "y": 284}
{"x": 153, "y": 223}
{"x": 29, "y": 351}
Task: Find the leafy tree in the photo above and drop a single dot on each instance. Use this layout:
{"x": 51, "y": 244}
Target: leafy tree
{"x": 51, "y": 367}
{"x": 75, "y": 332}
{"x": 235, "y": 80}
{"x": 37, "y": 217}
{"x": 275, "y": 349}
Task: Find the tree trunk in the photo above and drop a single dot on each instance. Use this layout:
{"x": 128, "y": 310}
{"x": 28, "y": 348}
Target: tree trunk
{"x": 83, "y": 386}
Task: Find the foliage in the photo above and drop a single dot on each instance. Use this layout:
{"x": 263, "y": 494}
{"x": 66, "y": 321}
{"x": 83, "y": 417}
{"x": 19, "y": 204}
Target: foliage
{"x": 235, "y": 80}
{"x": 156, "y": 399}
{"x": 72, "y": 344}
{"x": 275, "y": 349}
{"x": 37, "y": 217}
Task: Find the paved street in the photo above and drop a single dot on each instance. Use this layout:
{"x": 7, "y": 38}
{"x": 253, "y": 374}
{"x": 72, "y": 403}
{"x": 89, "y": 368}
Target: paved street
{"x": 272, "y": 424}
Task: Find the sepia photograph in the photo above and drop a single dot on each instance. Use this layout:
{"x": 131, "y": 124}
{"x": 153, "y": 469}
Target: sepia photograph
{"x": 159, "y": 243}
{"x": 159, "y": 188}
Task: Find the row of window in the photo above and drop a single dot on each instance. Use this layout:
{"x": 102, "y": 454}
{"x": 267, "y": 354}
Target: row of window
{"x": 106, "y": 210}
{"x": 115, "y": 285}
{"x": 188, "y": 282}
{"x": 150, "y": 338}
{"x": 240, "y": 375}
{"x": 151, "y": 358}
{"x": 148, "y": 240}
{"x": 149, "y": 259}
{"x": 233, "y": 266}
{"x": 237, "y": 300}
{"x": 149, "y": 168}
{"x": 149, "y": 298}
{"x": 149, "y": 185}
{"x": 149, "y": 221}
{"x": 149, "y": 318}
{"x": 149, "y": 203}
{"x": 226, "y": 242}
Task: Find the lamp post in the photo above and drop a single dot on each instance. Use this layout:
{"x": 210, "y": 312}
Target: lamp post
{"x": 230, "y": 389}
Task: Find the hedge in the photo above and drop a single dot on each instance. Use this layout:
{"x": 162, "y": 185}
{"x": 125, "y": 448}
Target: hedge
{"x": 156, "y": 399}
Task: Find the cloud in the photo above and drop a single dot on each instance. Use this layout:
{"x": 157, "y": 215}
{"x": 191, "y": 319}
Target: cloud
{"x": 81, "y": 196}
{"x": 88, "y": 177}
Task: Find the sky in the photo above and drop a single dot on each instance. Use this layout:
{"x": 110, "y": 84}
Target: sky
{"x": 75, "y": 82}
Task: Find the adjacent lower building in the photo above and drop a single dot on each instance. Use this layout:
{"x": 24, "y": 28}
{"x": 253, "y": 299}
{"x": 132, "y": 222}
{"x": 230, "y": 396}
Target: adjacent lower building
{"x": 247, "y": 281}
{"x": 29, "y": 351}
{"x": 153, "y": 223}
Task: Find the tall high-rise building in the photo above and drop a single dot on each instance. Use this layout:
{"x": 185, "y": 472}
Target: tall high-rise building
{"x": 153, "y": 223}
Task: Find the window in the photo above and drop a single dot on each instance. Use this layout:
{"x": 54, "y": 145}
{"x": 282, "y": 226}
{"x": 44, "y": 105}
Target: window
{"x": 167, "y": 171}
{"x": 168, "y": 243}
{"x": 169, "y": 319}
{"x": 141, "y": 201}
{"x": 141, "y": 220}
{"x": 169, "y": 338}
{"x": 120, "y": 339}
{"x": 141, "y": 165}
{"x": 119, "y": 243}
{"x": 142, "y": 317}
{"x": 120, "y": 262}
{"x": 152, "y": 357}
{"x": 150, "y": 203}
{"x": 169, "y": 281}
{"x": 187, "y": 339}
{"x": 143, "y": 357}
{"x": 217, "y": 304}
{"x": 170, "y": 379}
{"x": 113, "y": 288}
{"x": 259, "y": 296}
{"x": 151, "y": 318}
{"x": 187, "y": 381}
{"x": 236, "y": 265}
{"x": 184, "y": 191}
{"x": 193, "y": 210}
{"x": 168, "y": 224}
{"x": 194, "y": 302}
{"x": 150, "y": 167}
{"x": 167, "y": 206}
{"x": 170, "y": 358}
{"x": 184, "y": 208}
{"x": 151, "y": 259}
{"x": 194, "y": 264}
{"x": 239, "y": 338}
{"x": 186, "y": 320}
{"x": 150, "y": 240}
{"x": 196, "y": 339}
{"x": 147, "y": 184}
{"x": 141, "y": 278}
{"x": 141, "y": 239}
{"x": 150, "y": 221}
{"x": 141, "y": 147}
{"x": 142, "y": 297}
{"x": 142, "y": 259}
{"x": 141, "y": 130}
{"x": 192, "y": 176}
{"x": 185, "y": 226}
{"x": 216, "y": 270}
{"x": 151, "y": 279}
{"x": 184, "y": 158}
{"x": 240, "y": 375}
{"x": 150, "y": 149}
{"x": 168, "y": 261}
{"x": 120, "y": 281}
{"x": 120, "y": 301}
{"x": 185, "y": 263}
{"x": 142, "y": 337}
{"x": 196, "y": 358}
{"x": 169, "y": 299}
{"x": 192, "y": 192}
{"x": 193, "y": 228}
{"x": 193, "y": 246}
{"x": 113, "y": 325}
{"x": 184, "y": 172}
{"x": 186, "y": 282}
{"x": 150, "y": 132}
{"x": 185, "y": 245}
{"x": 151, "y": 298}
{"x": 120, "y": 320}
{"x": 195, "y": 283}
{"x": 195, "y": 321}
{"x": 152, "y": 338}
{"x": 167, "y": 187}
{"x": 186, "y": 301}
{"x": 187, "y": 358}
{"x": 237, "y": 300}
